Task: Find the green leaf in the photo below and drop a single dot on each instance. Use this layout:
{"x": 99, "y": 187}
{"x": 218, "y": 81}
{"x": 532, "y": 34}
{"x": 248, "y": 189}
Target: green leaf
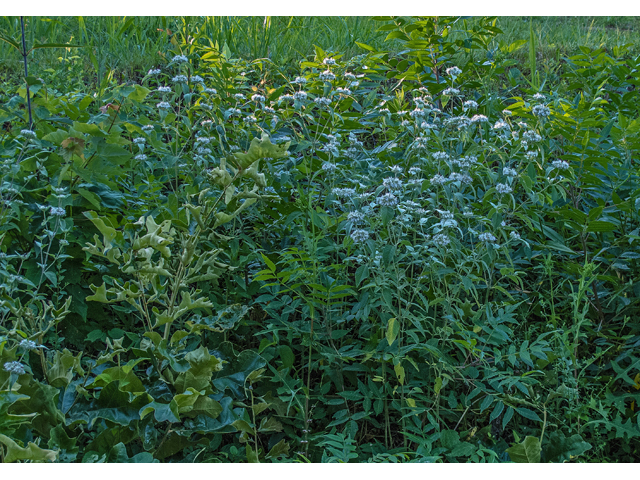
{"x": 526, "y": 452}
{"x": 601, "y": 226}
{"x": 497, "y": 410}
{"x": 270, "y": 264}
{"x": 287, "y": 356}
{"x": 54, "y": 45}
{"x": 280, "y": 448}
{"x": 362, "y": 273}
{"x": 486, "y": 403}
{"x": 118, "y": 454}
{"x": 31, "y": 452}
{"x": 11, "y": 42}
{"x": 560, "y": 448}
{"x": 530, "y": 414}
{"x": 393, "y": 328}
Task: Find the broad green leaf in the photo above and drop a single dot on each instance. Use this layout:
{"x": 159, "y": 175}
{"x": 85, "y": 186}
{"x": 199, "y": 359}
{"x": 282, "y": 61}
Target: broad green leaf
{"x": 561, "y": 449}
{"x": 526, "y": 452}
{"x": 280, "y": 448}
{"x": 31, "y": 452}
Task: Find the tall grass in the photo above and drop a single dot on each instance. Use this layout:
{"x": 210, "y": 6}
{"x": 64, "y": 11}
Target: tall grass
{"x": 128, "y": 46}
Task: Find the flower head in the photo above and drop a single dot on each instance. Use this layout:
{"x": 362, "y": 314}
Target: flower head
{"x": 28, "y": 344}
{"x": 28, "y": 133}
{"x": 487, "y": 237}
{"x": 180, "y": 79}
{"x": 327, "y": 76}
{"x": 299, "y": 96}
{"x": 453, "y": 71}
{"x": 180, "y": 59}
{"x": 503, "y": 188}
{"x": 14, "y": 367}
{"x": 387, "y": 200}
{"x": 359, "y": 236}
{"x": 57, "y": 212}
{"x": 560, "y": 164}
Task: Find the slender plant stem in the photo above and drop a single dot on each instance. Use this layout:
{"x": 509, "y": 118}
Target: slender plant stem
{"x": 26, "y": 73}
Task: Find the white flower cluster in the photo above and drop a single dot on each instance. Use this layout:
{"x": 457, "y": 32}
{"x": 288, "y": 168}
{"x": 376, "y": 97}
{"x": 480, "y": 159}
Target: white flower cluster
{"x": 179, "y": 79}
{"x": 460, "y": 177}
{"x": 470, "y": 104}
{"x": 344, "y": 192}
{"x": 349, "y": 76}
{"x": 454, "y": 71}
{"x": 57, "y": 212}
{"x": 392, "y": 183}
{"x": 531, "y": 136}
{"x": 323, "y": 101}
{"x": 487, "y": 237}
{"x": 509, "y": 172}
{"x": 197, "y": 79}
{"x": 239, "y": 96}
{"x": 211, "y": 91}
{"x": 300, "y": 80}
{"x": 257, "y": 98}
{"x": 28, "y": 344}
{"x": 154, "y": 71}
{"x": 560, "y": 165}
{"x": 327, "y": 76}
{"x": 451, "y": 92}
{"x": 343, "y": 91}
{"x": 441, "y": 240}
{"x": 329, "y": 61}
{"x": 387, "y": 200}
{"x": 539, "y": 96}
{"x": 355, "y": 217}
{"x": 140, "y": 157}
{"x": 479, "y": 119}
{"x": 438, "y": 180}
{"x": 541, "y": 111}
{"x": 438, "y": 156}
{"x": 503, "y": 188}
{"x": 359, "y": 236}
{"x": 180, "y": 59}
{"x": 14, "y": 367}
{"x": 164, "y": 89}
{"x": 139, "y": 140}
{"x": 28, "y": 133}
{"x": 300, "y": 96}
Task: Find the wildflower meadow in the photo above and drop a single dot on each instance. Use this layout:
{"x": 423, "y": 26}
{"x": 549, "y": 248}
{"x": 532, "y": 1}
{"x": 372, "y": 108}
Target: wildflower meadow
{"x": 414, "y": 249}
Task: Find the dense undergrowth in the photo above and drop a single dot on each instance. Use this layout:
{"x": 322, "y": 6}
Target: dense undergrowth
{"x": 380, "y": 259}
